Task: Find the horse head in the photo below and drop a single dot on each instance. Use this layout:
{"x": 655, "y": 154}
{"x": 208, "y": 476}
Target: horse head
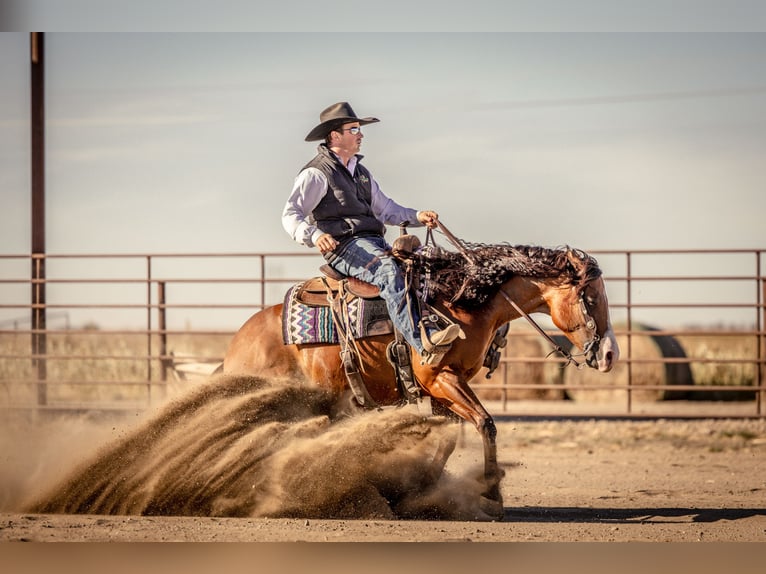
{"x": 580, "y": 308}
{"x": 564, "y": 283}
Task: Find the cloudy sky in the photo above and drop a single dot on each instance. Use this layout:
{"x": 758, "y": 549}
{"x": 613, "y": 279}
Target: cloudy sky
{"x": 189, "y": 142}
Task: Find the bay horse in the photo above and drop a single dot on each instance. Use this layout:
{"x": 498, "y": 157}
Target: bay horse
{"x": 481, "y": 288}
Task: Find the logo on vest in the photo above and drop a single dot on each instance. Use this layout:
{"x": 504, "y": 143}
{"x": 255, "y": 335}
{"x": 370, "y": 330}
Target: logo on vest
{"x": 364, "y": 179}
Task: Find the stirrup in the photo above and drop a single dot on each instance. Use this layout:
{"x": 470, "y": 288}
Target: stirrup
{"x": 434, "y": 357}
{"x": 398, "y": 355}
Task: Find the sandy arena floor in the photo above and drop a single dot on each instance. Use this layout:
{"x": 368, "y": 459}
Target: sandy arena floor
{"x": 653, "y": 481}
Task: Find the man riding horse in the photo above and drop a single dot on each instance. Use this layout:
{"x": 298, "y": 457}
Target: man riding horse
{"x": 337, "y": 206}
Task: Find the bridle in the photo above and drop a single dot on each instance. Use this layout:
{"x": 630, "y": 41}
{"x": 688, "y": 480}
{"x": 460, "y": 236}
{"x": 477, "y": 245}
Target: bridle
{"x": 590, "y": 348}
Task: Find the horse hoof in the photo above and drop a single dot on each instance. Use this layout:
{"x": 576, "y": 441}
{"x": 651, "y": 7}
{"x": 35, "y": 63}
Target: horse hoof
{"x": 492, "y": 509}
{"x": 492, "y": 491}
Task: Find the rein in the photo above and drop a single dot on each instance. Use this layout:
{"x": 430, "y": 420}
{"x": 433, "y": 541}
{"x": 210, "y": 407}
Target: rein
{"x": 452, "y": 239}
{"x": 556, "y": 347}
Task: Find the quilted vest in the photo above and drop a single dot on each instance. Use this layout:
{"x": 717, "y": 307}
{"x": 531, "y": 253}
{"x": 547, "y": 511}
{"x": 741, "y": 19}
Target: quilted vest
{"x": 346, "y": 209}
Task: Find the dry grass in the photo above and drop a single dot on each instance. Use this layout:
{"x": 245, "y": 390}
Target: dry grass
{"x": 88, "y": 366}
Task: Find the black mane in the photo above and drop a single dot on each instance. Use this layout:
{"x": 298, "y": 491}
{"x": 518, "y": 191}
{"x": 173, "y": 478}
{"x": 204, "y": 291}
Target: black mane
{"x": 470, "y": 284}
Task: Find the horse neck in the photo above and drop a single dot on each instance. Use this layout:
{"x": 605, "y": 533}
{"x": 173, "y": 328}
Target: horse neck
{"x": 527, "y": 292}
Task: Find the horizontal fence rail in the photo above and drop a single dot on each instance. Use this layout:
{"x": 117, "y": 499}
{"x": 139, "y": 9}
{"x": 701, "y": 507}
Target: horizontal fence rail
{"x": 123, "y": 331}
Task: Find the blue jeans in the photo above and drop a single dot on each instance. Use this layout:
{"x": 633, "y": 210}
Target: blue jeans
{"x": 367, "y": 258}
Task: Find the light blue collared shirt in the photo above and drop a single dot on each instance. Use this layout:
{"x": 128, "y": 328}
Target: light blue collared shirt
{"x": 310, "y": 187}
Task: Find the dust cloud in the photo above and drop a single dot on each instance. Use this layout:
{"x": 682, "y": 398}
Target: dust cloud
{"x": 251, "y": 447}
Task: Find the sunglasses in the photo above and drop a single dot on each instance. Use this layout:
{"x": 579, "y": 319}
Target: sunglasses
{"x": 354, "y": 131}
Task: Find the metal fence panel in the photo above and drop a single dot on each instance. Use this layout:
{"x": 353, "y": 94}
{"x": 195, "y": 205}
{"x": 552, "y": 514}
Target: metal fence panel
{"x": 106, "y": 331}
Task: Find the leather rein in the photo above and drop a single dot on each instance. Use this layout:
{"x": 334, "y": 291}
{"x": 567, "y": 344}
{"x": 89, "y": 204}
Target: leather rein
{"x": 590, "y": 347}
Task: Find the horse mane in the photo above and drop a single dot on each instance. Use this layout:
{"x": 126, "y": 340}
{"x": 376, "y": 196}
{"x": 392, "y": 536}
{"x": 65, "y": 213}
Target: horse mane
{"x": 472, "y": 277}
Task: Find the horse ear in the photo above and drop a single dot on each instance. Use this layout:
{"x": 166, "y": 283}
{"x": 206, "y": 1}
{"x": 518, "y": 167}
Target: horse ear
{"x": 574, "y": 262}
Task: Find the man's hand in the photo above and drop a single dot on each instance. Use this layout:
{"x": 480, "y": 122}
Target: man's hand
{"x": 428, "y": 218}
{"x": 326, "y": 243}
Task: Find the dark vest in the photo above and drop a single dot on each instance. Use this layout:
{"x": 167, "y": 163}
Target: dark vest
{"x": 346, "y": 209}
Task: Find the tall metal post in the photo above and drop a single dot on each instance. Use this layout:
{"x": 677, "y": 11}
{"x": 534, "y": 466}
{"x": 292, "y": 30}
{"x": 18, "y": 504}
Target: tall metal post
{"x": 39, "y": 324}
{"x": 629, "y": 302}
{"x": 760, "y": 373}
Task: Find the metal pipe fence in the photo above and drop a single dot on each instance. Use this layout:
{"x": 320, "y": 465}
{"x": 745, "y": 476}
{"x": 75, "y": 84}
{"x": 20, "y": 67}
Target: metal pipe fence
{"x": 113, "y": 331}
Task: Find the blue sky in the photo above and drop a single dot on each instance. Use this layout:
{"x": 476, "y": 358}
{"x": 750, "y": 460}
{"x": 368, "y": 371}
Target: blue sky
{"x": 189, "y": 142}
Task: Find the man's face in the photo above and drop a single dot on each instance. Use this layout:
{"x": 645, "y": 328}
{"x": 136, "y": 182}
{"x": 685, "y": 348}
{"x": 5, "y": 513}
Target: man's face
{"x": 347, "y": 140}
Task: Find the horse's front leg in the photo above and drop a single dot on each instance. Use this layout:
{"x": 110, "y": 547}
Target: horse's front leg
{"x": 454, "y": 392}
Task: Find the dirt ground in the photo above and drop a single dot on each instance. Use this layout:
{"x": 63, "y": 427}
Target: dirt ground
{"x": 566, "y": 481}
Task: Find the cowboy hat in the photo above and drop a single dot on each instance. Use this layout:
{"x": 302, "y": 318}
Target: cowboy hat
{"x": 335, "y": 116}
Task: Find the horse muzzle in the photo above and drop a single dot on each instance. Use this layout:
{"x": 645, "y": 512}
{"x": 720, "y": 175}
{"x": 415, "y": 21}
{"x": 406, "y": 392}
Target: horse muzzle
{"x": 603, "y": 353}
{"x": 591, "y": 353}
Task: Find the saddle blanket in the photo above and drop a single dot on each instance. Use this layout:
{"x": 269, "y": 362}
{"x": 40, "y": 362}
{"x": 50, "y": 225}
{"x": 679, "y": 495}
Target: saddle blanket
{"x": 303, "y": 324}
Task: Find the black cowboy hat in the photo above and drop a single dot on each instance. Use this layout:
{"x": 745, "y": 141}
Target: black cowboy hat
{"x": 335, "y": 116}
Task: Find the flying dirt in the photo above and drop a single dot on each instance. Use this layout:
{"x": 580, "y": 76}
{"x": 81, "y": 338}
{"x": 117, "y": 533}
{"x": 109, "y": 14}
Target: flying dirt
{"x": 252, "y": 447}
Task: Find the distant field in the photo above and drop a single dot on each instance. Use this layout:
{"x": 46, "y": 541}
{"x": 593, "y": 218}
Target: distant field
{"x": 88, "y": 366}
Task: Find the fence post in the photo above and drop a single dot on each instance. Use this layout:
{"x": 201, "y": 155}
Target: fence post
{"x": 629, "y": 324}
{"x": 37, "y": 122}
{"x": 149, "y": 327}
{"x": 263, "y": 281}
{"x": 162, "y": 326}
{"x": 39, "y": 328}
{"x": 760, "y": 372}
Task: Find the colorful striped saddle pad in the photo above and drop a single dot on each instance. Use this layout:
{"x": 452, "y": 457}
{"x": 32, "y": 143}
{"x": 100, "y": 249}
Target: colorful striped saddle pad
{"x": 303, "y": 324}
